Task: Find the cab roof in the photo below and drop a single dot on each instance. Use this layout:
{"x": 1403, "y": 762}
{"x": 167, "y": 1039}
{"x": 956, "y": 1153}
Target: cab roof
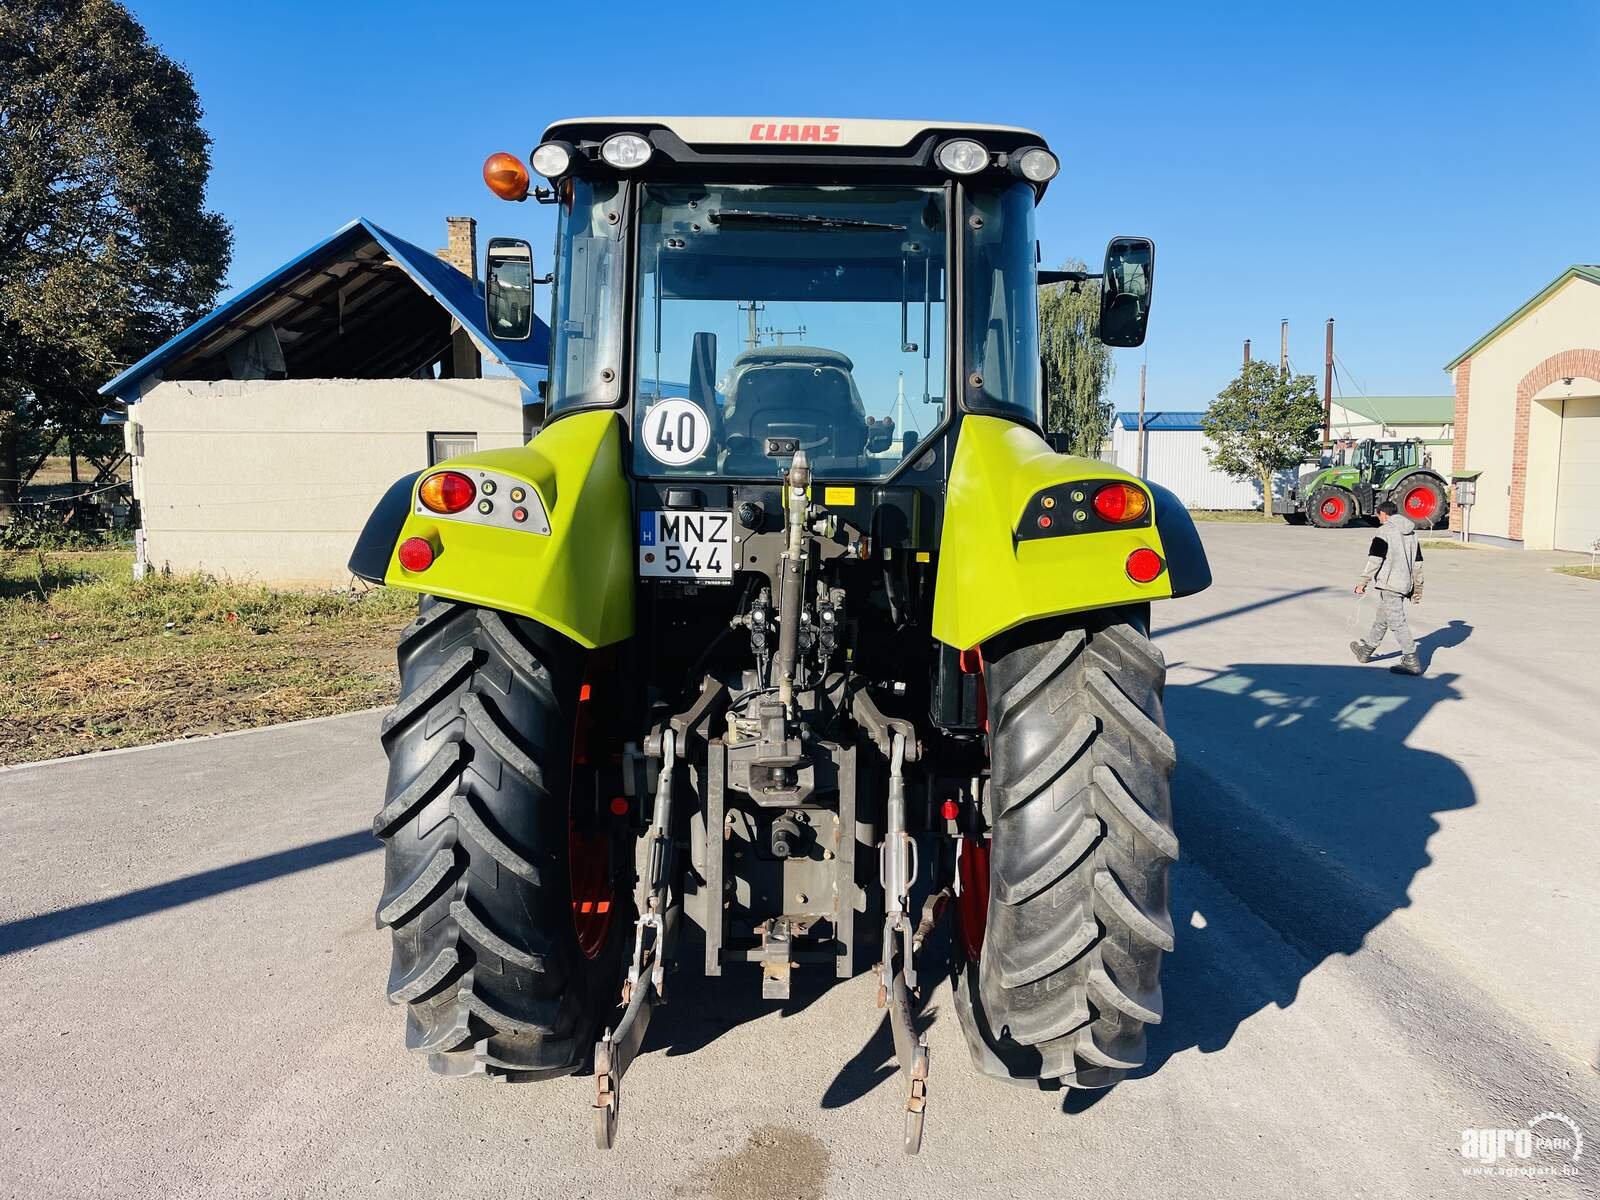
{"x": 791, "y": 131}
{"x": 826, "y": 149}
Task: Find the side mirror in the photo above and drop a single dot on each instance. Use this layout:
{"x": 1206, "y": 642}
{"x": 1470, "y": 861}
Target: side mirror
{"x": 1125, "y": 291}
{"x": 703, "y": 372}
{"x": 508, "y": 295}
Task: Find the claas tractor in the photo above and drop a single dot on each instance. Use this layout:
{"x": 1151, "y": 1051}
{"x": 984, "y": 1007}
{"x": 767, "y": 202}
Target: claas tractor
{"x": 789, "y": 645}
{"x": 1362, "y": 476}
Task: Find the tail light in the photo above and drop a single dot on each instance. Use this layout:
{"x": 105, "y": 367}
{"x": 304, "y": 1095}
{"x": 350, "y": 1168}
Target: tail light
{"x": 446, "y": 492}
{"x": 416, "y": 554}
{"x": 1120, "y": 503}
{"x": 1144, "y": 565}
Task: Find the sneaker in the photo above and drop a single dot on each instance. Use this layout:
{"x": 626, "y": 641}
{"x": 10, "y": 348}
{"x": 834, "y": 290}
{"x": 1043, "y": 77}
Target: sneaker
{"x": 1362, "y": 651}
{"x": 1409, "y": 664}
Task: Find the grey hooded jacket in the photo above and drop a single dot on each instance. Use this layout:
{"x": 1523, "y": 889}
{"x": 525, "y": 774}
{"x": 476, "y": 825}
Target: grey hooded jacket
{"x": 1394, "y": 560}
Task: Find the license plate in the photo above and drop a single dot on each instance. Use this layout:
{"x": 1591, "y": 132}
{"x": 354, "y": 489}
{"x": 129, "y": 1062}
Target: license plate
{"x": 686, "y": 545}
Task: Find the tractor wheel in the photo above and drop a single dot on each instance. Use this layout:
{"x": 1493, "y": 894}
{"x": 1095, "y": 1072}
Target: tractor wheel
{"x": 1294, "y": 518}
{"x": 1422, "y": 499}
{"x": 508, "y": 926}
{"x": 1059, "y": 948}
{"x": 1330, "y": 508}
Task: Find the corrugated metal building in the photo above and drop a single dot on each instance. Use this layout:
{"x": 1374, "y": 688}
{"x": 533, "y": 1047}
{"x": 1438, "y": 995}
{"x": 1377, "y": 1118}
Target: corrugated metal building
{"x": 1175, "y": 457}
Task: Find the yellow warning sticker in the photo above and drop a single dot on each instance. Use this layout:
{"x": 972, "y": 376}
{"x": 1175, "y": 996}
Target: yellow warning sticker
{"x": 844, "y": 497}
{"x": 924, "y": 556}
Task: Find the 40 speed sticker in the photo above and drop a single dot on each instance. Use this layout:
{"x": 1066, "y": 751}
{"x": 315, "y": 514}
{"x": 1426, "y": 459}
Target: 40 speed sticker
{"x": 676, "y": 431}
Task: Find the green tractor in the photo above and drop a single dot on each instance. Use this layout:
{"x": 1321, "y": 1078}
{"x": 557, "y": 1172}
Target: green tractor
{"x": 779, "y": 660}
{"x": 1363, "y": 476}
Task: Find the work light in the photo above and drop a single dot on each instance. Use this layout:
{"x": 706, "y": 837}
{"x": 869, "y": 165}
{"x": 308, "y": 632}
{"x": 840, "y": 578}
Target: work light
{"x": 552, "y": 159}
{"x": 963, "y": 156}
{"x": 1038, "y": 165}
{"x": 625, "y": 151}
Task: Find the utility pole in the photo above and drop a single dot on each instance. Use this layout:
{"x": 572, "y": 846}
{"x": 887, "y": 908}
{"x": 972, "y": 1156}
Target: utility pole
{"x": 1283, "y": 347}
{"x": 777, "y": 335}
{"x": 1143, "y": 462}
{"x": 1327, "y": 387}
{"x": 1247, "y": 352}
{"x": 752, "y": 337}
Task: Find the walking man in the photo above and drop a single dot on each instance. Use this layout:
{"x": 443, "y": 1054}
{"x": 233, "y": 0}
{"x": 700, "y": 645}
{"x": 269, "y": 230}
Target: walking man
{"x": 1394, "y": 564}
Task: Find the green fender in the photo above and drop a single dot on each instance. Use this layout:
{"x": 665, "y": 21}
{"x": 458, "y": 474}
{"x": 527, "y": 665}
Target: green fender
{"x": 989, "y": 580}
{"x": 577, "y": 579}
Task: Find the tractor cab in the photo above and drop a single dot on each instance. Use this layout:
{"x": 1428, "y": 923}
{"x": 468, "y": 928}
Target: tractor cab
{"x": 1376, "y": 463}
{"x": 1378, "y": 460}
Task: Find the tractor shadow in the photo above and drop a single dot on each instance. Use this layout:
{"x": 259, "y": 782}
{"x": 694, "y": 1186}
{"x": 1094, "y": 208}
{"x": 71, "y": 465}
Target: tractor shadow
{"x": 1296, "y": 794}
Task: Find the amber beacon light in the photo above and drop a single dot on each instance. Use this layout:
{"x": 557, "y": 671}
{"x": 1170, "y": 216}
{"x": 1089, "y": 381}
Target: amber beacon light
{"x": 506, "y": 176}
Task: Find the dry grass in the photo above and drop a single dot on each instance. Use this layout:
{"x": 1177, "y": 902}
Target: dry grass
{"x": 1451, "y": 544}
{"x": 1583, "y": 572}
{"x": 91, "y": 660}
{"x": 58, "y": 469}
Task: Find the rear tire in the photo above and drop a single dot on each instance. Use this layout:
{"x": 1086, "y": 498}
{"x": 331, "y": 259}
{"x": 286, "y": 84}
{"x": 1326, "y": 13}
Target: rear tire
{"x": 476, "y": 829}
{"x": 1069, "y": 971}
{"x": 1331, "y": 508}
{"x": 1421, "y": 499}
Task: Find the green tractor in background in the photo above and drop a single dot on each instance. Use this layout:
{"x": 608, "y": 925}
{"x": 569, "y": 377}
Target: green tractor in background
{"x": 1362, "y": 477}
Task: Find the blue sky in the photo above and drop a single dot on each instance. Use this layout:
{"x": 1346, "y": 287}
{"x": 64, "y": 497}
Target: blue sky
{"x": 1414, "y": 170}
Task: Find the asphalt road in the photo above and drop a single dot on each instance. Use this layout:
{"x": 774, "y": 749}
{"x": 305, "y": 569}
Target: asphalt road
{"x": 1387, "y": 914}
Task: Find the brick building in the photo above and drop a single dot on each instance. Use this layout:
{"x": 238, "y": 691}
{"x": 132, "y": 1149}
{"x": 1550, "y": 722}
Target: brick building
{"x": 1527, "y": 421}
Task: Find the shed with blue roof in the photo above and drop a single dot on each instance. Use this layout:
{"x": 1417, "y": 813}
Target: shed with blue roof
{"x": 264, "y": 433}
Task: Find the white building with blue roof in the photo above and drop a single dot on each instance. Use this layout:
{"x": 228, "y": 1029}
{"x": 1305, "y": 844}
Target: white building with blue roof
{"x": 1175, "y": 457}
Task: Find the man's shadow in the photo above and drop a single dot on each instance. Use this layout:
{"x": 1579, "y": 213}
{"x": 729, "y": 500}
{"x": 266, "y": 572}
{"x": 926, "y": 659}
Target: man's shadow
{"x": 1297, "y": 794}
{"x": 1446, "y": 637}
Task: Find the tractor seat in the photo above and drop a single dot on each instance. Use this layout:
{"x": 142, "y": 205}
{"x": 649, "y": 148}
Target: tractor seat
{"x": 805, "y": 392}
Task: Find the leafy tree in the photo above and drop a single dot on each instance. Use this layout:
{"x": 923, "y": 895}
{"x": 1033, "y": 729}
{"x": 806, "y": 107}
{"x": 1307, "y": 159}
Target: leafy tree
{"x": 1262, "y": 423}
{"x": 1077, "y": 366}
{"x": 106, "y": 246}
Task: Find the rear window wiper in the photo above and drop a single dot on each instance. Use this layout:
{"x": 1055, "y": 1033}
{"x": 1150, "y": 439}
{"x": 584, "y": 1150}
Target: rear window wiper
{"x": 744, "y": 216}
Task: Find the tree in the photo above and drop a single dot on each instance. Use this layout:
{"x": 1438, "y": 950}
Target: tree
{"x": 106, "y": 246}
{"x": 1077, "y": 366}
{"x": 1263, "y": 422}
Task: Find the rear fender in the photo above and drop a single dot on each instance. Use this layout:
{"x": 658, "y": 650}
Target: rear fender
{"x": 577, "y": 579}
{"x": 989, "y": 580}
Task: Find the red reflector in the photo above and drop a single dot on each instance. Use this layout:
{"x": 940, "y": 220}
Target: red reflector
{"x": 971, "y": 661}
{"x": 1144, "y": 565}
{"x": 1120, "y": 502}
{"x": 446, "y": 492}
{"x": 1045, "y": 522}
{"x": 416, "y": 554}
{"x": 950, "y": 810}
{"x": 619, "y": 806}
